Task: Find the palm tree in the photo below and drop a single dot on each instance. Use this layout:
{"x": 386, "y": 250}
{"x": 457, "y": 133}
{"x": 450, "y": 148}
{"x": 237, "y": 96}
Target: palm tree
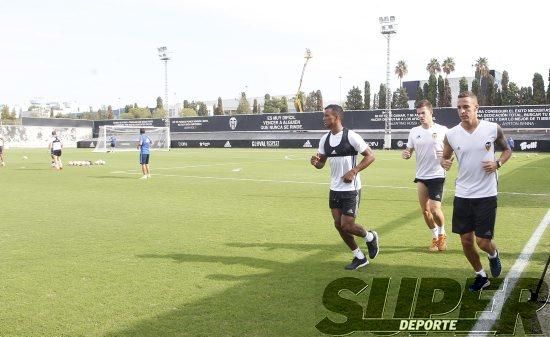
{"x": 448, "y": 66}
{"x": 433, "y": 67}
{"x": 482, "y": 67}
{"x": 401, "y": 70}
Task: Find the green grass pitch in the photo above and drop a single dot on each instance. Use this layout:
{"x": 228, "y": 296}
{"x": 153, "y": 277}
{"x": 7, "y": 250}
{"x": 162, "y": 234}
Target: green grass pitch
{"x": 220, "y": 242}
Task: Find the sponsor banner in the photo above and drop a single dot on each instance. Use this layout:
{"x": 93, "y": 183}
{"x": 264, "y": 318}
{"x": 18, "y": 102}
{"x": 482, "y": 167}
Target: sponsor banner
{"x": 250, "y": 143}
{"x": 295, "y": 122}
{"x": 86, "y": 144}
{"x": 517, "y": 117}
{"x": 275, "y": 143}
{"x": 262, "y": 122}
{"x": 531, "y": 145}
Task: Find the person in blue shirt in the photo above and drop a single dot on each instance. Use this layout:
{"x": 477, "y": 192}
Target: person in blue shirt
{"x": 511, "y": 143}
{"x": 144, "y": 147}
{"x": 113, "y": 143}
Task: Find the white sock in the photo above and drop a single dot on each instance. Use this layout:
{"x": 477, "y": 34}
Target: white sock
{"x": 442, "y": 230}
{"x": 369, "y": 237}
{"x": 493, "y": 256}
{"x": 481, "y": 272}
{"x": 435, "y": 231}
{"x": 358, "y": 254}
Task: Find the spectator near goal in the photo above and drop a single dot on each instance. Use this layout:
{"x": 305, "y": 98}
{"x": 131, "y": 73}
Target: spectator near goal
{"x": 144, "y": 148}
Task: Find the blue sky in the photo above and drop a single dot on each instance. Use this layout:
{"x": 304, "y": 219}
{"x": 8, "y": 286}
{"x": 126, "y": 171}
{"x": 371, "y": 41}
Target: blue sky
{"x": 104, "y": 52}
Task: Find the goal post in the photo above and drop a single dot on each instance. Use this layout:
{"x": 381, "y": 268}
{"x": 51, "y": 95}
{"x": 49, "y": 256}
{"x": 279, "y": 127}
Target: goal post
{"x": 126, "y": 138}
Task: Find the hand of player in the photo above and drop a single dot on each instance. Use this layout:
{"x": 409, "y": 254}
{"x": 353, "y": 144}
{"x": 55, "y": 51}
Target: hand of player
{"x": 489, "y": 166}
{"x": 447, "y": 163}
{"x": 349, "y": 176}
{"x": 315, "y": 160}
{"x": 406, "y": 154}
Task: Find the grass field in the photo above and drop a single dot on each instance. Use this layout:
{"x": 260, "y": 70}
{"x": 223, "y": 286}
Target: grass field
{"x": 220, "y": 242}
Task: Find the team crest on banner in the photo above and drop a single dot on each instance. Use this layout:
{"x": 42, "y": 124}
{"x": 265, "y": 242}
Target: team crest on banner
{"x": 233, "y": 123}
{"x": 488, "y": 146}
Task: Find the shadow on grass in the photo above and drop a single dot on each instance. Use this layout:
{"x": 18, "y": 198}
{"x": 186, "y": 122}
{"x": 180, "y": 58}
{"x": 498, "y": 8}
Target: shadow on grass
{"x": 283, "y": 299}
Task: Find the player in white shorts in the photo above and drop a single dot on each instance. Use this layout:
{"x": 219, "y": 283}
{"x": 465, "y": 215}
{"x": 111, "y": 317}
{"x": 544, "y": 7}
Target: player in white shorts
{"x": 341, "y": 146}
{"x": 426, "y": 141}
{"x": 475, "y": 204}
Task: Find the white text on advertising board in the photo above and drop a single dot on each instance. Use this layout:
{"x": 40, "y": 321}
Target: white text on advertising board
{"x": 265, "y": 143}
{"x": 277, "y": 122}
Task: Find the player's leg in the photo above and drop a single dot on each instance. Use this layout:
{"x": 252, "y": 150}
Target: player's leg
{"x": 485, "y": 210}
{"x": 346, "y": 237}
{"x": 350, "y": 207}
{"x": 56, "y": 162}
{"x": 142, "y": 163}
{"x": 423, "y": 199}
{"x": 335, "y": 205}
{"x": 435, "y": 193}
{"x": 464, "y": 225}
{"x": 2, "y": 156}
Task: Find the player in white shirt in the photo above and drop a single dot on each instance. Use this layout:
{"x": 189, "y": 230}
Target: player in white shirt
{"x": 341, "y": 146}
{"x": 426, "y": 141}
{"x": 55, "y": 147}
{"x": 2, "y": 150}
{"x": 475, "y": 204}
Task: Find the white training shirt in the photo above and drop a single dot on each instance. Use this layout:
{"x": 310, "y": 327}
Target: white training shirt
{"x": 341, "y": 165}
{"x": 425, "y": 143}
{"x": 56, "y": 145}
{"x": 471, "y": 150}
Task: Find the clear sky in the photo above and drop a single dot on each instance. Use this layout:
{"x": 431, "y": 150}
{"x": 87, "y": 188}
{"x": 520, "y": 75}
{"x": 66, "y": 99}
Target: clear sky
{"x": 104, "y": 51}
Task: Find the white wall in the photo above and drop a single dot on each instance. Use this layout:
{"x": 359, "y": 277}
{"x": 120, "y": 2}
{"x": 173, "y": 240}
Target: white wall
{"x": 39, "y": 136}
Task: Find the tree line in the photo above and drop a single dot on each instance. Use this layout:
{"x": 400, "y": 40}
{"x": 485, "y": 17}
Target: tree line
{"x": 438, "y": 91}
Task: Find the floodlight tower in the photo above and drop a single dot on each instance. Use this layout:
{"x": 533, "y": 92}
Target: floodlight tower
{"x": 298, "y": 101}
{"x": 163, "y": 56}
{"x": 388, "y": 27}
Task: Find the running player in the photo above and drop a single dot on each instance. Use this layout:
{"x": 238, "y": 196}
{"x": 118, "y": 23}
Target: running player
{"x": 341, "y": 146}
{"x": 427, "y": 140}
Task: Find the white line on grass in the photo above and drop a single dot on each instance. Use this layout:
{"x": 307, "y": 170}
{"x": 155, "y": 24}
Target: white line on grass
{"x": 488, "y": 317}
{"x": 307, "y": 182}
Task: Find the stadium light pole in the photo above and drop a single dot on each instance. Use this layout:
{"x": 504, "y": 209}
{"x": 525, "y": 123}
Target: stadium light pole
{"x": 163, "y": 56}
{"x": 388, "y": 27}
{"x": 340, "y": 97}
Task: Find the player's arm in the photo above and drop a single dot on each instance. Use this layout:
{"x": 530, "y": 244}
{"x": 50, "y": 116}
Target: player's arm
{"x": 447, "y": 157}
{"x": 491, "y": 166}
{"x": 407, "y": 153}
{"x": 368, "y": 158}
{"x": 318, "y": 160}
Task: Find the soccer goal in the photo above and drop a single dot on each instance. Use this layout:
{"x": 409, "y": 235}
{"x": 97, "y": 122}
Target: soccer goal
{"x": 126, "y": 138}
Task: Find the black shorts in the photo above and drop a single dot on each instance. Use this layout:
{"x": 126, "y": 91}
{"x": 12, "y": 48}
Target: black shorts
{"x": 56, "y": 153}
{"x": 347, "y": 201}
{"x": 475, "y": 215}
{"x": 144, "y": 159}
{"x": 1, "y": 149}
{"x": 435, "y": 187}
{"x": 112, "y": 144}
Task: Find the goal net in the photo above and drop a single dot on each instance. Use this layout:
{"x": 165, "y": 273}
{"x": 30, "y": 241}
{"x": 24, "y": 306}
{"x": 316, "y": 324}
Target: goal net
{"x": 126, "y": 138}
